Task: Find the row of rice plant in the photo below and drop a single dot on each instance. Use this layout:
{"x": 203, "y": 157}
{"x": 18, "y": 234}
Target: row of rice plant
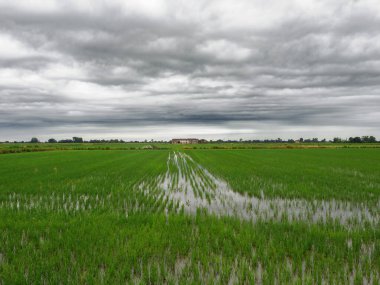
{"x": 159, "y": 217}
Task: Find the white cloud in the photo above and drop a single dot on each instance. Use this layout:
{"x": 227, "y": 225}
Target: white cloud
{"x": 201, "y": 68}
{"x": 224, "y": 50}
{"x": 11, "y": 48}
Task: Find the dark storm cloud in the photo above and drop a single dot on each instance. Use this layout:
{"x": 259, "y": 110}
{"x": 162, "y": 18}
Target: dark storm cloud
{"x": 219, "y": 63}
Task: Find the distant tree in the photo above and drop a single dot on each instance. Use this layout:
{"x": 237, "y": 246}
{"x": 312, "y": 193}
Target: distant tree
{"x": 77, "y": 140}
{"x": 337, "y": 140}
{"x": 368, "y": 139}
{"x": 315, "y": 140}
{"x": 52, "y": 140}
{"x": 291, "y": 141}
{"x": 34, "y": 140}
{"x": 355, "y": 140}
{"x": 301, "y": 139}
{"x": 66, "y": 141}
{"x": 324, "y": 140}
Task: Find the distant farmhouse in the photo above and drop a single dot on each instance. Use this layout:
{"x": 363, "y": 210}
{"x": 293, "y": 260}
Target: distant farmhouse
{"x": 184, "y": 141}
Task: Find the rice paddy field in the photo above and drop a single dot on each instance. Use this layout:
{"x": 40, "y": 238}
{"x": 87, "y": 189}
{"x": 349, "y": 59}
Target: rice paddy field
{"x": 190, "y": 216}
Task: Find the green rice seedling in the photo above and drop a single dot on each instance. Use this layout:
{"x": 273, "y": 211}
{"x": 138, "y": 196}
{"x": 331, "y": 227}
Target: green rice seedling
{"x": 107, "y": 217}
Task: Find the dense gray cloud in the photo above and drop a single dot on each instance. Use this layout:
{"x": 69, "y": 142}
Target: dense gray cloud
{"x": 157, "y": 69}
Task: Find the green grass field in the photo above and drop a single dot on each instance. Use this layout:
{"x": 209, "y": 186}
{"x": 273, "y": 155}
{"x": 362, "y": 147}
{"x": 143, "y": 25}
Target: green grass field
{"x": 190, "y": 216}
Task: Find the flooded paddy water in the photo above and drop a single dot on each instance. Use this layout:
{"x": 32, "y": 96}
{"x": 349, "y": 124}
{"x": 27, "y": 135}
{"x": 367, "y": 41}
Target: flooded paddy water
{"x": 194, "y": 188}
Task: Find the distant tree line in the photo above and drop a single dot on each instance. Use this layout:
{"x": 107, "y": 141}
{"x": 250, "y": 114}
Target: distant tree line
{"x": 81, "y": 140}
{"x": 74, "y": 140}
{"x": 52, "y": 140}
{"x": 278, "y": 140}
{"x": 363, "y": 139}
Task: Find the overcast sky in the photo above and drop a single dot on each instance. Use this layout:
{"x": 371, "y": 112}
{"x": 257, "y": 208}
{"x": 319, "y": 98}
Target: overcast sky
{"x": 209, "y": 69}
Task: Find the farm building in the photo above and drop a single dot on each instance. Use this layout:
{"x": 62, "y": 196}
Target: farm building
{"x": 184, "y": 141}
